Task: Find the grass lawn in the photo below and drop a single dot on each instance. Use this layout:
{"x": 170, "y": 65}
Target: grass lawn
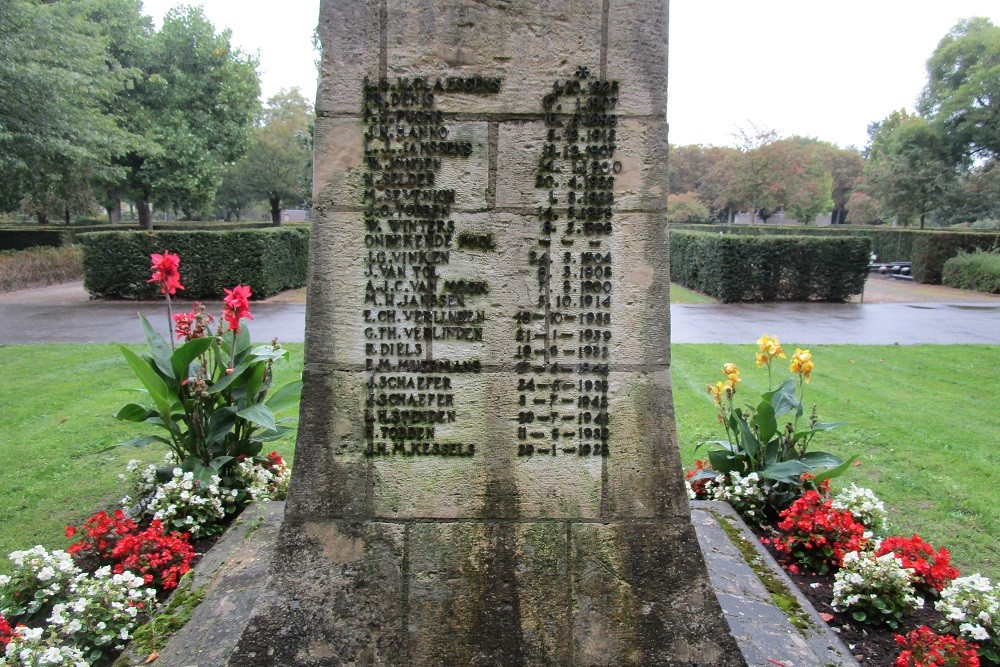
{"x": 924, "y": 420}
{"x": 683, "y": 295}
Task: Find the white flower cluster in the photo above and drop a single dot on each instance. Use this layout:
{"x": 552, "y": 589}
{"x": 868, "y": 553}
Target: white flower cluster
{"x": 183, "y": 503}
{"x": 28, "y": 648}
{"x": 867, "y": 582}
{"x": 745, "y": 494}
{"x": 263, "y": 483}
{"x": 971, "y": 607}
{"x": 87, "y": 612}
{"x": 864, "y": 505}
{"x": 39, "y": 577}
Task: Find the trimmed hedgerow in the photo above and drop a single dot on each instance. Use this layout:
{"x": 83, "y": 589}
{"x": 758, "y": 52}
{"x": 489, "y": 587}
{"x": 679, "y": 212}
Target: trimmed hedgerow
{"x": 978, "y": 271}
{"x": 22, "y": 239}
{"x": 736, "y": 268}
{"x": 116, "y": 264}
{"x": 932, "y": 249}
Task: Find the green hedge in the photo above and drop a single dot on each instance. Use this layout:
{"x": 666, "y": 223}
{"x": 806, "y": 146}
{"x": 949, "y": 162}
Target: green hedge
{"x": 737, "y": 267}
{"x": 932, "y": 249}
{"x": 978, "y": 271}
{"x": 890, "y": 244}
{"x": 22, "y": 239}
{"x": 116, "y": 264}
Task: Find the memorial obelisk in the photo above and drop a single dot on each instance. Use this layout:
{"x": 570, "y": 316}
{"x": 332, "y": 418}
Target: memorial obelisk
{"x": 487, "y": 470}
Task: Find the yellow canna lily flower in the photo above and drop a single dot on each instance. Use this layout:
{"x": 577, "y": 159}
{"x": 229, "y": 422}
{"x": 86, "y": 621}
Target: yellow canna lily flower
{"x": 802, "y": 363}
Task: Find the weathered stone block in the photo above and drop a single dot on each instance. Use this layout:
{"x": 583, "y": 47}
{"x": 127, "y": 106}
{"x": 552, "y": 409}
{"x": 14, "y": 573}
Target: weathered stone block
{"x": 491, "y": 593}
{"x": 350, "y": 32}
{"x": 335, "y": 598}
{"x": 529, "y": 45}
{"x": 637, "y": 55}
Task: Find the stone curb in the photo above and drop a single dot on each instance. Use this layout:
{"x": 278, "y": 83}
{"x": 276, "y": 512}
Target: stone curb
{"x": 766, "y": 635}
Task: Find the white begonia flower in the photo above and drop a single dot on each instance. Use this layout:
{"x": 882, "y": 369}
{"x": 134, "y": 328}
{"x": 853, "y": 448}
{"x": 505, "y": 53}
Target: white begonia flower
{"x": 74, "y": 626}
{"x": 46, "y": 573}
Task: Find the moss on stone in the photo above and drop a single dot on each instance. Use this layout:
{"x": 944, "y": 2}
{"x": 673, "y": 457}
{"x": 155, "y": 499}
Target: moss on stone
{"x": 154, "y": 635}
{"x": 782, "y": 597}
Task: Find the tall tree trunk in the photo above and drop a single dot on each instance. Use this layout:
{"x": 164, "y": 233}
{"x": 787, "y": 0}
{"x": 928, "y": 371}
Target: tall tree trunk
{"x": 275, "y": 210}
{"x": 145, "y": 215}
{"x": 43, "y": 219}
{"x": 922, "y": 216}
{"x": 114, "y": 213}
{"x": 66, "y": 215}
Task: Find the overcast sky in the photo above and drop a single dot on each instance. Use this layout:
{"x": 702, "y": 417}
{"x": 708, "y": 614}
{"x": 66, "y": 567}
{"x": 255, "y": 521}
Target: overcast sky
{"x": 824, "y": 70}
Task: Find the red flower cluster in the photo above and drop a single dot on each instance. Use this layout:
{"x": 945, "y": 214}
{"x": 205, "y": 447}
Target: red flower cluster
{"x": 5, "y": 632}
{"x": 274, "y": 460}
{"x": 165, "y": 272}
{"x": 925, "y": 648}
{"x": 698, "y": 486}
{"x": 161, "y": 559}
{"x": 816, "y": 535}
{"x": 934, "y": 569}
{"x": 101, "y": 534}
{"x": 116, "y": 540}
{"x": 236, "y": 306}
{"x": 194, "y": 324}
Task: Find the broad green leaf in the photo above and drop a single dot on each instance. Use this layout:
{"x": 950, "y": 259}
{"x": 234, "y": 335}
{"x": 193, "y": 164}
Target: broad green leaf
{"x": 220, "y": 461}
{"x": 818, "y": 428}
{"x": 822, "y": 460}
{"x": 766, "y": 424}
{"x": 226, "y": 380}
{"x": 750, "y": 443}
{"x": 133, "y": 412}
{"x": 783, "y": 400}
{"x": 258, "y": 414}
{"x": 786, "y": 471}
{"x": 153, "y": 383}
{"x": 723, "y": 462}
{"x": 182, "y": 357}
{"x": 254, "y": 380}
{"x": 285, "y": 397}
{"x": 270, "y": 436}
{"x": 838, "y": 471}
{"x": 159, "y": 347}
{"x": 220, "y": 425}
{"x": 267, "y": 352}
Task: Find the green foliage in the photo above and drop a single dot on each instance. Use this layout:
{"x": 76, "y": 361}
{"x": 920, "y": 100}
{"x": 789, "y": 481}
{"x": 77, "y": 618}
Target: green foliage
{"x": 210, "y": 398}
{"x": 280, "y": 155}
{"x": 963, "y": 87}
{"x": 155, "y": 634}
{"x": 22, "y": 239}
{"x": 910, "y": 168}
{"x": 737, "y": 267}
{"x": 686, "y": 208}
{"x": 978, "y": 271}
{"x": 55, "y": 75}
{"x": 116, "y": 264}
{"x": 931, "y": 251}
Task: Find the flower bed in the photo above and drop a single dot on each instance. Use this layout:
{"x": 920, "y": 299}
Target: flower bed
{"x": 894, "y": 600}
{"x": 80, "y": 606}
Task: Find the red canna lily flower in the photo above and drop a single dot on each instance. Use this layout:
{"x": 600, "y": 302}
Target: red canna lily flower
{"x": 165, "y": 272}
{"x": 236, "y": 306}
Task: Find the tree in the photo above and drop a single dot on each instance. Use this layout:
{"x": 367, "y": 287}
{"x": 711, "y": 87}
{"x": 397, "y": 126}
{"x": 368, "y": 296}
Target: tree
{"x": 963, "y": 88}
{"x": 276, "y": 166}
{"x": 55, "y": 76}
{"x": 686, "y": 208}
{"x": 706, "y": 171}
{"x": 192, "y": 110}
{"x": 910, "y": 165}
{"x": 753, "y": 184}
{"x": 803, "y": 183}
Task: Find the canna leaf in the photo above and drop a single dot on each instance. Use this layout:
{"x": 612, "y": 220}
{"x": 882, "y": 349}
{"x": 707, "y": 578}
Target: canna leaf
{"x": 285, "y": 397}
{"x": 158, "y": 346}
{"x": 182, "y": 357}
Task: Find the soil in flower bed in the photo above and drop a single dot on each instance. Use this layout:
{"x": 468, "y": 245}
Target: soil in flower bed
{"x": 871, "y": 646}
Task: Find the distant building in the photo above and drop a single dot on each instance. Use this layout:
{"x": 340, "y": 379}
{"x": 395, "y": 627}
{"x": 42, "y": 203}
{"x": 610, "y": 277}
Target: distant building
{"x": 295, "y": 215}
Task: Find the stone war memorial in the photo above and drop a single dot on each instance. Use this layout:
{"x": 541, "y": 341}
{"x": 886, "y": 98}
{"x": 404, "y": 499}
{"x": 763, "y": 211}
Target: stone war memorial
{"x": 486, "y": 470}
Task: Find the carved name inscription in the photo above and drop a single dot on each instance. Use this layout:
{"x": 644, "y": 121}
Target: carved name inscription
{"x": 564, "y": 335}
{"x": 409, "y": 237}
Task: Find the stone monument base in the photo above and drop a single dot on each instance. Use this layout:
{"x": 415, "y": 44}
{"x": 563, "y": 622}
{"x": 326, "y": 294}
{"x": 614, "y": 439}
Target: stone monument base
{"x": 243, "y": 620}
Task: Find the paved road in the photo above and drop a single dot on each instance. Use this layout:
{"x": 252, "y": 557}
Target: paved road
{"x": 62, "y": 314}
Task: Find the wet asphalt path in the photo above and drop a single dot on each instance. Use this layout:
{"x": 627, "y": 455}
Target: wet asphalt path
{"x": 48, "y": 316}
